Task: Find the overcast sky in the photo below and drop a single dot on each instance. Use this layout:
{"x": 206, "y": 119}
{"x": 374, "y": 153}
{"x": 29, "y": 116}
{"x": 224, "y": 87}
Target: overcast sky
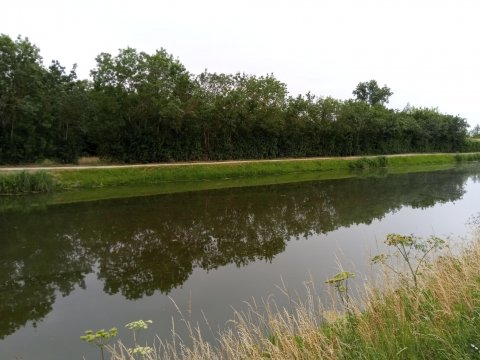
{"x": 426, "y": 51}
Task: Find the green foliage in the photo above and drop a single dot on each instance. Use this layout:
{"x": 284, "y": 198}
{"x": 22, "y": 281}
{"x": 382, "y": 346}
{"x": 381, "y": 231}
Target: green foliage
{"x": 467, "y": 157}
{"x": 475, "y": 132}
{"x": 142, "y": 107}
{"x": 472, "y": 145}
{"x": 340, "y": 277}
{"x": 414, "y": 327}
{"x": 340, "y": 283}
{"x": 91, "y": 178}
{"x": 42, "y": 110}
{"x": 142, "y": 103}
{"x": 25, "y": 182}
{"x": 413, "y": 251}
{"x": 371, "y": 93}
{"x": 103, "y": 178}
{"x": 99, "y": 338}
{"x": 139, "y": 350}
{"x": 138, "y": 325}
{"x": 367, "y": 163}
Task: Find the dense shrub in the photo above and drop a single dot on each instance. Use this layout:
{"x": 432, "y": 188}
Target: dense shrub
{"x": 26, "y": 182}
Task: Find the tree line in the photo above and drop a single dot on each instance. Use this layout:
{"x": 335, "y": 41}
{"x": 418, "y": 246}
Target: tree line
{"x": 140, "y": 107}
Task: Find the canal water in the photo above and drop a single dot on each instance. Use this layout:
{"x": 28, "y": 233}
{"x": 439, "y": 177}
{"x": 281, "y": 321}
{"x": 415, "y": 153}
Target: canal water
{"x": 98, "y": 264}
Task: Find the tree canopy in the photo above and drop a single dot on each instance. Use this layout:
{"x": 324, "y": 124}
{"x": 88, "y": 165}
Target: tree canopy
{"x": 371, "y": 93}
{"x": 141, "y": 107}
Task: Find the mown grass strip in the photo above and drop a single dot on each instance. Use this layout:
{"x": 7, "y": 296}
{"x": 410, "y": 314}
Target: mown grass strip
{"x": 93, "y": 178}
{"x": 150, "y": 175}
{"x": 64, "y": 179}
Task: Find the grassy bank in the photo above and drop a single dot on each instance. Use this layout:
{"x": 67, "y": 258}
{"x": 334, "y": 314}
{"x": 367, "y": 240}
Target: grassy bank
{"x": 38, "y": 202}
{"x": 24, "y": 182}
{"x": 67, "y": 179}
{"x": 435, "y": 319}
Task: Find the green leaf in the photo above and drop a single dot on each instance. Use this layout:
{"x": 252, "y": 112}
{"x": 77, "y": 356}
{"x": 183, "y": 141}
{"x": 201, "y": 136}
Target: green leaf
{"x": 342, "y": 276}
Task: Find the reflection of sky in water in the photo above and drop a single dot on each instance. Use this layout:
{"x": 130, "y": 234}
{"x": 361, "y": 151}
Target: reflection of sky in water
{"x": 215, "y": 291}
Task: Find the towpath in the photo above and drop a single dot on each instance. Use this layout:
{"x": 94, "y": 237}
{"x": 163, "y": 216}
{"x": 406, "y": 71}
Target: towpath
{"x": 34, "y": 167}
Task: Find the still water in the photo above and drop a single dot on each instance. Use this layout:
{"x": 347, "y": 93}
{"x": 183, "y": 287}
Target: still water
{"x": 68, "y": 268}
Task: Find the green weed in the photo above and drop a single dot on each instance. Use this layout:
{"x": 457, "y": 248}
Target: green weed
{"x": 25, "y": 182}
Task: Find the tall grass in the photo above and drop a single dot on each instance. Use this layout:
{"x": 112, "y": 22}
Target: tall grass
{"x": 467, "y": 157}
{"x": 437, "y": 319}
{"x": 24, "y": 182}
{"x": 368, "y": 162}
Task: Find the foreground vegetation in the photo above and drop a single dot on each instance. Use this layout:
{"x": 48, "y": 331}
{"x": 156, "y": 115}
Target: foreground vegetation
{"x": 142, "y": 107}
{"x": 68, "y": 179}
{"x": 434, "y": 317}
{"x": 24, "y": 182}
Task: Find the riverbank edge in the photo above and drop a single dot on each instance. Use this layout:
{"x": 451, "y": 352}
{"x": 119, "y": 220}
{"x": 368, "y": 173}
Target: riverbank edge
{"x": 59, "y": 179}
{"x": 436, "y": 318}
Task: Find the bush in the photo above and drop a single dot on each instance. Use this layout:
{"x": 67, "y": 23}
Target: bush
{"x": 26, "y": 182}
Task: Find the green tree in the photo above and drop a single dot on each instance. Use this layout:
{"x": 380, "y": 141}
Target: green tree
{"x": 241, "y": 116}
{"x": 21, "y": 74}
{"x": 475, "y": 132}
{"x": 41, "y": 110}
{"x": 148, "y": 108}
{"x": 371, "y": 93}
{"x": 140, "y": 103}
{"x": 66, "y": 107}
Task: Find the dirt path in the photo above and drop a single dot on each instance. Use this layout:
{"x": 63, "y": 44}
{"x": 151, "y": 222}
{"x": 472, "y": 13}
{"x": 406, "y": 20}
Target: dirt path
{"x": 84, "y": 167}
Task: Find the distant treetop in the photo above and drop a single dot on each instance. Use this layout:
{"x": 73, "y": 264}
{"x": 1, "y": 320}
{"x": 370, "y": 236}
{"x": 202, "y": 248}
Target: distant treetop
{"x": 371, "y": 93}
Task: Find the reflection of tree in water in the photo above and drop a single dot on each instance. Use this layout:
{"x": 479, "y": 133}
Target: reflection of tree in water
{"x": 169, "y": 238}
{"x": 33, "y": 271}
{"x": 475, "y": 178}
{"x": 146, "y": 244}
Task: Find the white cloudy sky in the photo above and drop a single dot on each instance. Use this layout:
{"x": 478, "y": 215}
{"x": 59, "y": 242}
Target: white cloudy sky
{"x": 426, "y": 51}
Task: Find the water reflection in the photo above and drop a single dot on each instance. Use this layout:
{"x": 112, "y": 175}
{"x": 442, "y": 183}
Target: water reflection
{"x": 141, "y": 245}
